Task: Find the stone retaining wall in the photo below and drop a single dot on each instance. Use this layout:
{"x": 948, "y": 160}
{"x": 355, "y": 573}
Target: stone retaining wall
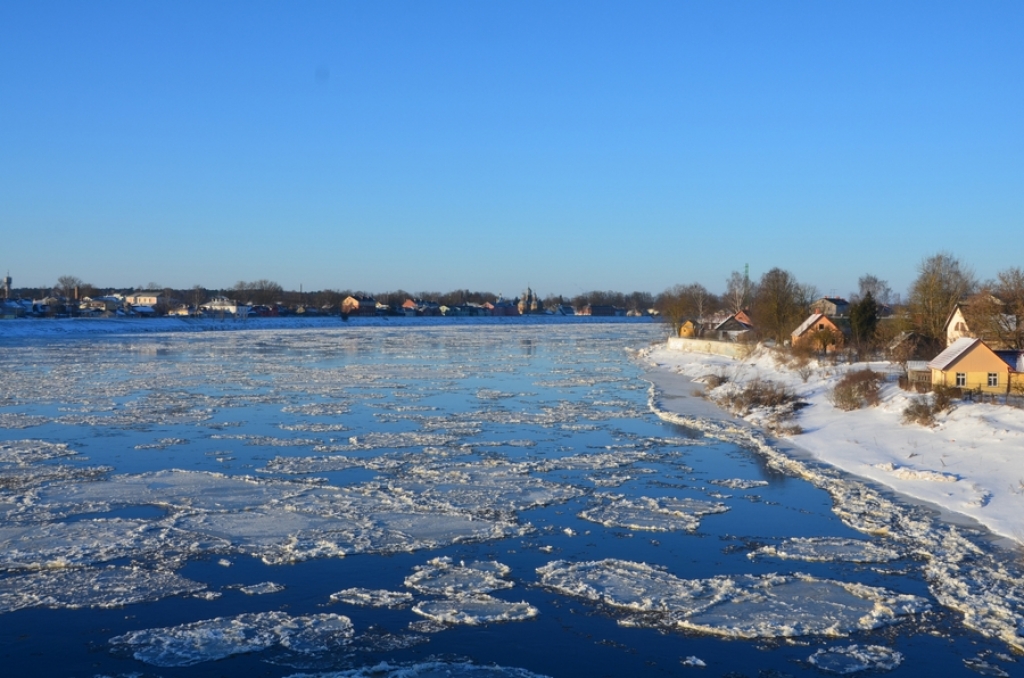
{"x": 726, "y": 348}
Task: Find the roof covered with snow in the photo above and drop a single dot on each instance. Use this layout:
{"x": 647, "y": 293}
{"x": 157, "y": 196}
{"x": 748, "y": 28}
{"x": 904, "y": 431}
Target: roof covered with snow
{"x": 807, "y": 324}
{"x": 953, "y": 352}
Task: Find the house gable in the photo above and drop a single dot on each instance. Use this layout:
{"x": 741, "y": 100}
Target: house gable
{"x": 956, "y": 326}
{"x": 969, "y": 363}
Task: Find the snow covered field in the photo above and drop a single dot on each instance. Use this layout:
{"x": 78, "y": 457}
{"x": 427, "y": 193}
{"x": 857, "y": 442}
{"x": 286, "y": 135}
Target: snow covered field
{"x": 970, "y": 463}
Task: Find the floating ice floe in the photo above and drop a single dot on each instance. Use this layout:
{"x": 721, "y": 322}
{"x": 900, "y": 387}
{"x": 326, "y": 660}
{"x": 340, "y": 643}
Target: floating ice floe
{"x": 22, "y": 478}
{"x": 855, "y": 658}
{"x": 474, "y": 609}
{"x": 985, "y": 668}
{"x": 495, "y": 490}
{"x": 739, "y": 483}
{"x": 11, "y": 420}
{"x": 493, "y": 394}
{"x": 162, "y": 444}
{"x": 269, "y": 441}
{"x": 32, "y": 451}
{"x": 372, "y": 441}
{"x": 441, "y": 576}
{"x": 318, "y": 410}
{"x": 372, "y": 597}
{"x": 313, "y": 427}
{"x": 744, "y": 607}
{"x": 693, "y": 661}
{"x": 828, "y": 549}
{"x": 91, "y": 587}
{"x": 213, "y": 639}
{"x": 321, "y": 464}
{"x": 261, "y": 589}
{"x": 657, "y": 515}
{"x": 32, "y": 546}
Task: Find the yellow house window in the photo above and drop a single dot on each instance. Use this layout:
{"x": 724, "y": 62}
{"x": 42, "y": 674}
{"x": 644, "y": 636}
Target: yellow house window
{"x": 993, "y": 379}
{"x": 961, "y": 379}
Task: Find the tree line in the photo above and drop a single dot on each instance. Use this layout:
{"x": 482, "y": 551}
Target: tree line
{"x": 777, "y": 302}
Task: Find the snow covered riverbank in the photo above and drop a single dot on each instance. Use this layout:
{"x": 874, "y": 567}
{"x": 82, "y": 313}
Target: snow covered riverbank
{"x": 984, "y": 585}
{"x": 970, "y": 463}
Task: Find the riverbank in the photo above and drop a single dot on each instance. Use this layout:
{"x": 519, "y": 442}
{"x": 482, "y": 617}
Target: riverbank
{"x": 970, "y": 463}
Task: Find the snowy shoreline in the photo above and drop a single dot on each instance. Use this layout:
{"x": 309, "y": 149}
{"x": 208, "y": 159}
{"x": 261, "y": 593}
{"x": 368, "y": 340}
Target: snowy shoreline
{"x": 984, "y": 585}
{"x": 971, "y": 463}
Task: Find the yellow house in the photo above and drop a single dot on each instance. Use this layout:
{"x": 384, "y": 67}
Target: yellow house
{"x": 689, "y": 329}
{"x": 970, "y": 364}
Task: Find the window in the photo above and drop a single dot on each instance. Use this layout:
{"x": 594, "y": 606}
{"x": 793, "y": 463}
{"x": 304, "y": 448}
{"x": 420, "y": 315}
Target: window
{"x": 993, "y": 379}
{"x": 961, "y": 379}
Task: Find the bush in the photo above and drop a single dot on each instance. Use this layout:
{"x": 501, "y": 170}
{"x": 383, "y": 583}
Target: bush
{"x": 857, "y": 390}
{"x": 759, "y": 394}
{"x": 714, "y": 380}
{"x": 943, "y": 397}
{"x": 923, "y": 410}
{"x": 762, "y": 393}
{"x": 919, "y": 411}
{"x": 778, "y": 402}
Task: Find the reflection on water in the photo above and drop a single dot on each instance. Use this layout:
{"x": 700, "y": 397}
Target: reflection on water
{"x": 325, "y": 500}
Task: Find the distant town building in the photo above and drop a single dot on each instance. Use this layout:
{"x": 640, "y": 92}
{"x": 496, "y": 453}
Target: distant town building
{"x": 529, "y": 303}
{"x": 359, "y": 306}
{"x": 831, "y": 306}
{"x": 606, "y": 310}
{"x": 505, "y": 307}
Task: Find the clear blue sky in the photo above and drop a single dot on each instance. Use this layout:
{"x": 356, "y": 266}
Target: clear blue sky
{"x": 490, "y": 145}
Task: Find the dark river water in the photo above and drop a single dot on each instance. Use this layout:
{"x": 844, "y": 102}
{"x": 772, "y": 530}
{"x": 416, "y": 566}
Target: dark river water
{"x": 413, "y": 499}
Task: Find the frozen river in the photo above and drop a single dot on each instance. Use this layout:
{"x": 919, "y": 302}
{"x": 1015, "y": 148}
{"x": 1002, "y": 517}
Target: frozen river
{"x": 478, "y": 499}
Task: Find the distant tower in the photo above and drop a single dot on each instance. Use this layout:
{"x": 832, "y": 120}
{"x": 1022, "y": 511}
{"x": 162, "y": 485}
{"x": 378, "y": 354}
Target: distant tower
{"x": 529, "y": 303}
{"x": 7, "y": 285}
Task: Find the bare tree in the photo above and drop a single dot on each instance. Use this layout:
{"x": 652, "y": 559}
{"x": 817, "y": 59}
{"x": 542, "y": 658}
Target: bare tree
{"x": 780, "y": 304}
{"x": 197, "y": 297}
{"x": 877, "y": 288}
{"x": 68, "y": 286}
{"x": 683, "y": 302}
{"x": 738, "y": 292}
{"x": 265, "y": 292}
{"x": 942, "y": 282}
{"x": 639, "y": 302}
{"x": 996, "y": 313}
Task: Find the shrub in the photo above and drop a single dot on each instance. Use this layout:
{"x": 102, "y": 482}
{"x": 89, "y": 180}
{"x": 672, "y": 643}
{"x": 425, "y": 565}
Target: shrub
{"x": 762, "y": 393}
{"x": 943, "y": 397}
{"x": 759, "y": 394}
{"x": 923, "y": 410}
{"x": 919, "y": 411}
{"x": 715, "y": 380}
{"x": 857, "y": 390}
{"x": 778, "y": 403}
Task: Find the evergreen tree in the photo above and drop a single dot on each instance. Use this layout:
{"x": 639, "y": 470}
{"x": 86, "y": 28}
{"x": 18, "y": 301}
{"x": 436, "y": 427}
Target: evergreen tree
{"x": 864, "y": 319}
